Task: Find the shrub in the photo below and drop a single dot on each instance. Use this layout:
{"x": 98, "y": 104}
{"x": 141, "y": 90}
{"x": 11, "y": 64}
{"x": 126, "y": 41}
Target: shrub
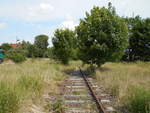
{"x": 139, "y": 101}
{"x": 16, "y": 55}
{"x": 9, "y": 101}
{"x": 18, "y": 58}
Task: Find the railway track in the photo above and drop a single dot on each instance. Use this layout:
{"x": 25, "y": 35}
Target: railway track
{"x": 82, "y": 95}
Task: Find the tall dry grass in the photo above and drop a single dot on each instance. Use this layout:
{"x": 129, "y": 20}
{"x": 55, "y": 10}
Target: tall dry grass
{"x": 21, "y": 84}
{"x": 129, "y": 83}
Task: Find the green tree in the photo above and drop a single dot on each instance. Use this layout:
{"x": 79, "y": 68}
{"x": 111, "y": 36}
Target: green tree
{"x": 31, "y": 51}
{"x": 49, "y": 53}
{"x": 64, "y": 42}
{"x": 41, "y": 44}
{"x": 139, "y": 39}
{"x": 102, "y": 36}
{"x": 16, "y": 54}
{"x": 6, "y": 46}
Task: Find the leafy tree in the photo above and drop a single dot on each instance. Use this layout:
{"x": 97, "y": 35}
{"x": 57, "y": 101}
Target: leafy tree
{"x": 64, "y": 44}
{"x": 6, "y": 46}
{"x": 16, "y": 54}
{"x": 139, "y": 43}
{"x": 102, "y": 36}
{"x": 49, "y": 52}
{"x": 23, "y": 46}
{"x": 31, "y": 51}
{"x": 41, "y": 44}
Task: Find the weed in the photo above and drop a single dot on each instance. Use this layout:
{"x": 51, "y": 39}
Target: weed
{"x": 58, "y": 107}
{"x": 9, "y": 100}
{"x": 139, "y": 101}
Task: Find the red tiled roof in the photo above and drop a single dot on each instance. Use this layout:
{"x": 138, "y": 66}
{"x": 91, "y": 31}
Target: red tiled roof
{"x": 13, "y": 45}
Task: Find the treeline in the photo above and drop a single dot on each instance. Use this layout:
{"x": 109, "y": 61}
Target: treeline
{"x": 139, "y": 39}
{"x": 104, "y": 36}
{"x": 25, "y": 49}
{"x": 100, "y": 37}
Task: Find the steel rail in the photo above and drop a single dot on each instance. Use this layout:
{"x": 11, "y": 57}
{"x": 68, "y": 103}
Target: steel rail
{"x": 98, "y": 103}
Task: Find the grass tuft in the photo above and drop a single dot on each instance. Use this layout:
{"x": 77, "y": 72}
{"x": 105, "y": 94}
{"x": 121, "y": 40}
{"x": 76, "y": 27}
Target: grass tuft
{"x": 58, "y": 106}
{"x": 139, "y": 101}
{"x": 9, "y": 100}
{"x": 30, "y": 83}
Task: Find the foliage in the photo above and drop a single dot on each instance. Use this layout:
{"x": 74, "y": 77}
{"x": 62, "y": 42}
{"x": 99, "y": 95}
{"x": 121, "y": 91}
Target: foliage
{"x": 9, "y": 101}
{"x": 6, "y": 47}
{"x": 102, "y": 36}
{"x": 31, "y": 51}
{"x": 139, "y": 101}
{"x": 24, "y": 46}
{"x": 41, "y": 44}
{"x": 64, "y": 44}
{"x": 17, "y": 55}
{"x": 139, "y": 48}
{"x": 49, "y": 53}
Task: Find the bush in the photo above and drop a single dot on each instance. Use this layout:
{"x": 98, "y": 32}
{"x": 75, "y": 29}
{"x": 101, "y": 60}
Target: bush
{"x": 9, "y": 101}
{"x": 139, "y": 101}
{"x": 18, "y": 58}
{"x": 16, "y": 55}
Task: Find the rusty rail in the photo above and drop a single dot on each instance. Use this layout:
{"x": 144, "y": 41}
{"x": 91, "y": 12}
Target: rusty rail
{"x": 98, "y": 103}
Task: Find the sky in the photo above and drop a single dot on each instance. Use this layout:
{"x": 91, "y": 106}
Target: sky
{"x": 25, "y": 19}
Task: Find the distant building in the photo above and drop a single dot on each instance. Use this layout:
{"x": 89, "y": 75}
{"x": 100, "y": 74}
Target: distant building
{"x": 14, "y": 45}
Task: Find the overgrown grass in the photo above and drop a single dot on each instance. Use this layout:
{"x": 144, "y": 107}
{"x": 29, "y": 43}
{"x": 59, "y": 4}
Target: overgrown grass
{"x": 9, "y": 100}
{"x": 21, "y": 84}
{"x": 139, "y": 101}
{"x": 129, "y": 83}
{"x": 31, "y": 83}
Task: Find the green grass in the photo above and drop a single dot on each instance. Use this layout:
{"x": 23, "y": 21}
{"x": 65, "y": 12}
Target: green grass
{"x": 30, "y": 83}
{"x": 139, "y": 101}
{"x": 124, "y": 80}
{"x": 9, "y": 100}
{"x": 58, "y": 106}
{"x": 22, "y": 84}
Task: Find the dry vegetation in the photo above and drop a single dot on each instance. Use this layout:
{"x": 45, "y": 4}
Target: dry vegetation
{"x": 22, "y": 85}
{"x": 129, "y": 83}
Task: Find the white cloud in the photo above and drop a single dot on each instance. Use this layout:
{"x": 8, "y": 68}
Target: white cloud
{"x": 46, "y": 6}
{"x": 39, "y": 12}
{"x": 69, "y": 24}
{"x": 3, "y": 25}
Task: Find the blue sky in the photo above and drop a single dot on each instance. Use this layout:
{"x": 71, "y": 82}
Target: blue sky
{"x": 24, "y": 19}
